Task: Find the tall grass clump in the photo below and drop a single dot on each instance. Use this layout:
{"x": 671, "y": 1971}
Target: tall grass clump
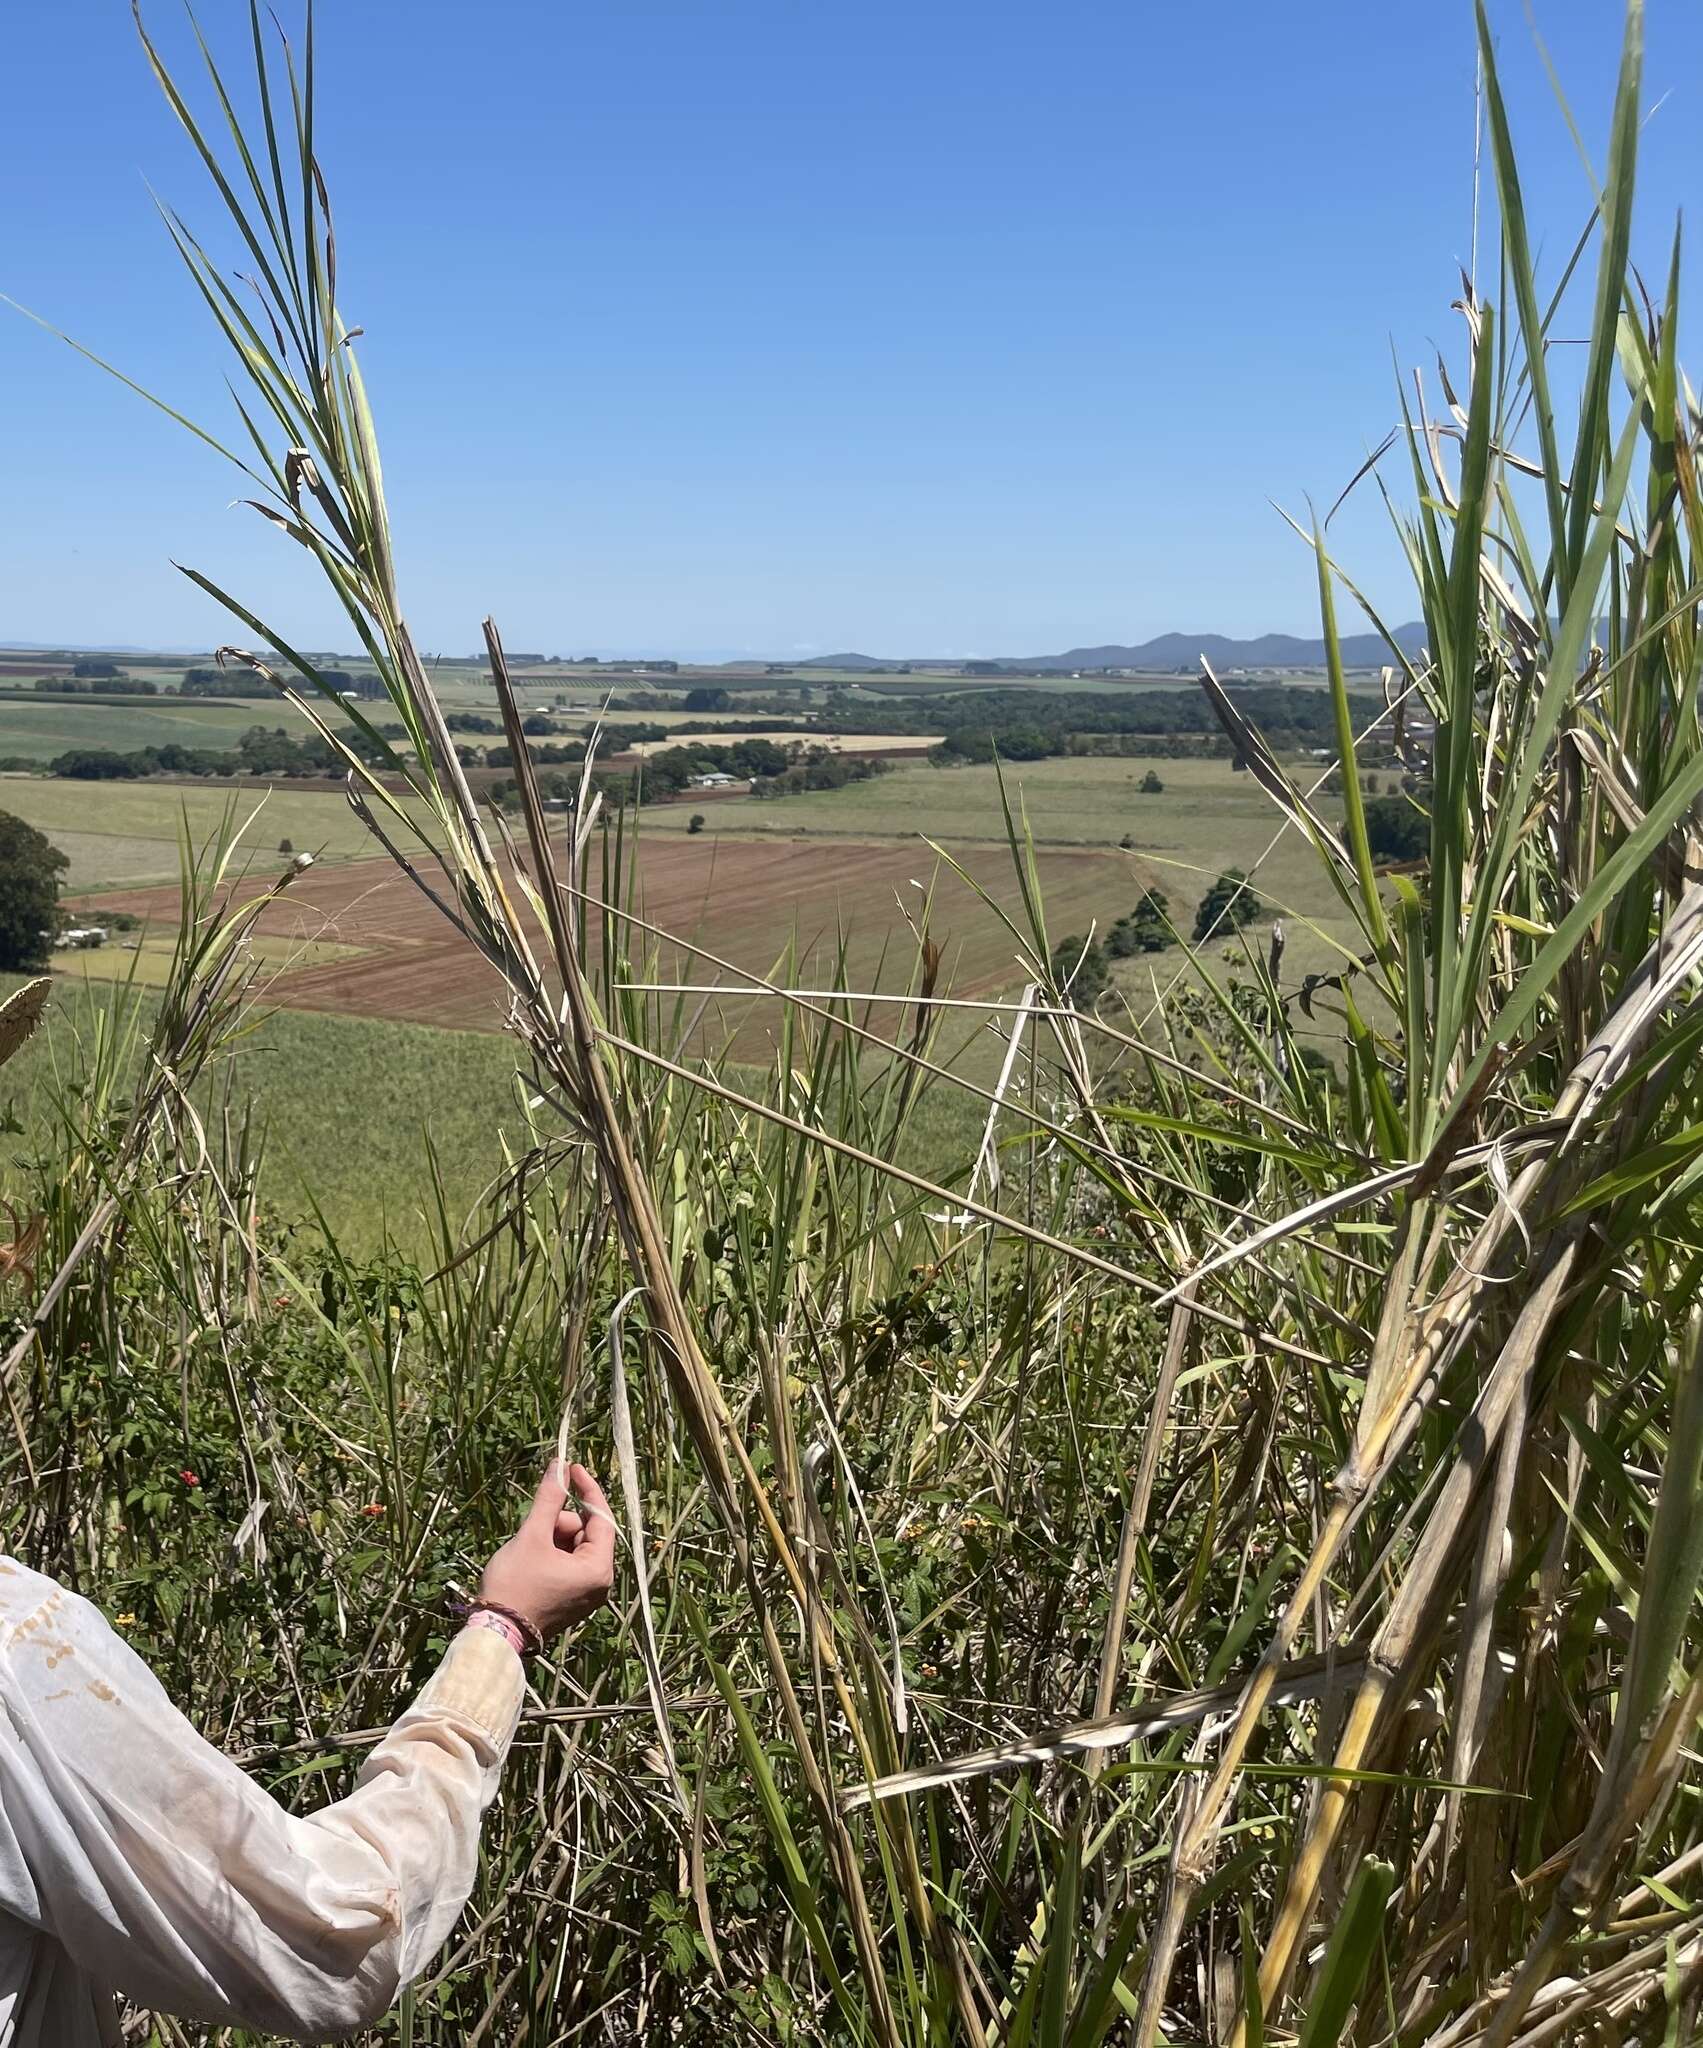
{"x": 1224, "y": 1567}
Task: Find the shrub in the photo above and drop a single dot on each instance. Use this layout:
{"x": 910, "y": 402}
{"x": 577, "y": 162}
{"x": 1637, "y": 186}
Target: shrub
{"x": 97, "y": 764}
{"x": 1150, "y": 921}
{"x": 1397, "y": 829}
{"x": 1080, "y": 972}
{"x": 1227, "y": 905}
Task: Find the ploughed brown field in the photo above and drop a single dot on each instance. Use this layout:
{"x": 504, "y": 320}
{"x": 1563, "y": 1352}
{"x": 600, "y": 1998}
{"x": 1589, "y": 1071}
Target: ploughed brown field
{"x": 742, "y": 899}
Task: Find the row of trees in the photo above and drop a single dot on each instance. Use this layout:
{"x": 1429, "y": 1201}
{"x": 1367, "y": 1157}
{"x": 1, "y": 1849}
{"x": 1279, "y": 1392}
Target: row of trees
{"x": 107, "y": 679}
{"x": 820, "y": 770}
{"x": 262, "y": 750}
{"x": 771, "y": 770}
{"x": 244, "y": 682}
{"x": 115, "y": 685}
{"x": 1030, "y": 724}
{"x": 221, "y": 682}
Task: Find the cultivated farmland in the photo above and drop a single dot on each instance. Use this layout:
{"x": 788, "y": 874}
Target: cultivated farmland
{"x": 763, "y": 874}
{"x": 1207, "y": 818}
{"x": 1205, "y": 806}
{"x": 129, "y": 833}
{"x": 748, "y": 902}
{"x": 41, "y": 727}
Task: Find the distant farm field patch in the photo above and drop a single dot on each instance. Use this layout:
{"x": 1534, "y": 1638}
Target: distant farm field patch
{"x": 764, "y": 877}
{"x": 796, "y": 908}
{"x": 835, "y": 742}
{"x": 1206, "y": 818}
{"x": 45, "y": 726}
{"x": 146, "y": 958}
{"x": 1087, "y": 801}
{"x": 129, "y": 832}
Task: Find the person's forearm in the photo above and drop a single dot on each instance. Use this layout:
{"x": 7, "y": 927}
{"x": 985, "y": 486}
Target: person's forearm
{"x": 415, "y": 1813}
{"x": 422, "y": 1791}
{"x": 171, "y": 1877}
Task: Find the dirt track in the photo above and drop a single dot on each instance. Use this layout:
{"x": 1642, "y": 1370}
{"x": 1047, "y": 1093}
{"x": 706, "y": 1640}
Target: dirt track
{"x": 742, "y": 899}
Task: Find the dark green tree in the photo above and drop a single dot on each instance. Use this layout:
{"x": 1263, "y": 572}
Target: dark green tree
{"x": 695, "y": 823}
{"x": 30, "y": 867}
{"x": 1229, "y": 903}
{"x": 1086, "y": 971}
{"x": 1150, "y": 922}
{"x": 1397, "y": 829}
{"x": 1151, "y": 785}
{"x": 1145, "y": 929}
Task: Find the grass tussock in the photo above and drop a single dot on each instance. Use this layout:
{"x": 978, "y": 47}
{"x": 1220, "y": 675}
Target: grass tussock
{"x": 1224, "y": 1567}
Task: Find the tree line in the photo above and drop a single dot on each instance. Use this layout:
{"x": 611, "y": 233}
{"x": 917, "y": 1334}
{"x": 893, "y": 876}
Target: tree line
{"x": 771, "y": 770}
{"x": 262, "y": 750}
{"x": 114, "y": 685}
{"x": 1031, "y": 725}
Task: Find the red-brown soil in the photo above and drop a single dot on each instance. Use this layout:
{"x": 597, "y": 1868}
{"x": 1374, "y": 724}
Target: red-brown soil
{"x": 746, "y": 900}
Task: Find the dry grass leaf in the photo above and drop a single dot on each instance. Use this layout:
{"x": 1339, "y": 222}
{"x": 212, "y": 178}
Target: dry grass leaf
{"x": 20, "y": 1256}
{"x": 20, "y": 1013}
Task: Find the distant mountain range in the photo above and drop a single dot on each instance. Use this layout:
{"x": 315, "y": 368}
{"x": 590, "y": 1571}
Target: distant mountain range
{"x": 1177, "y": 650}
{"x": 1169, "y": 651}
{"x": 80, "y": 647}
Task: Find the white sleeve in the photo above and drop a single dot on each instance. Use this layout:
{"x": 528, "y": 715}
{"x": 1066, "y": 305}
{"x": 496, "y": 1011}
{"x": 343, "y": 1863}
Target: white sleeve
{"x": 169, "y": 1875}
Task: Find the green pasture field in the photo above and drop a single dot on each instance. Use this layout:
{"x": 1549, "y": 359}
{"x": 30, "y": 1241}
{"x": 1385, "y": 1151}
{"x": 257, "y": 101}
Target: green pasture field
{"x": 128, "y": 832}
{"x": 750, "y": 725}
{"x": 44, "y": 726}
{"x": 947, "y": 686}
{"x": 1089, "y": 800}
{"x": 1051, "y": 683}
{"x": 583, "y": 709}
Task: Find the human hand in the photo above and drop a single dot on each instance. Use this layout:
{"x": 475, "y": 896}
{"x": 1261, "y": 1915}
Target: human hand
{"x": 559, "y": 1564}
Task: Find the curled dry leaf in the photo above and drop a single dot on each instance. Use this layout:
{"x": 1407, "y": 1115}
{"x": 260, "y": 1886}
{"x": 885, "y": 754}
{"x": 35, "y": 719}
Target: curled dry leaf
{"x": 20, "y": 1013}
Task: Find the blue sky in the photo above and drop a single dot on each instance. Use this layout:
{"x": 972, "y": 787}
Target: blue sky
{"x": 795, "y": 325}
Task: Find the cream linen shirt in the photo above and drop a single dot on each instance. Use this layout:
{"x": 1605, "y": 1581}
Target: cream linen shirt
{"x": 135, "y": 1859}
